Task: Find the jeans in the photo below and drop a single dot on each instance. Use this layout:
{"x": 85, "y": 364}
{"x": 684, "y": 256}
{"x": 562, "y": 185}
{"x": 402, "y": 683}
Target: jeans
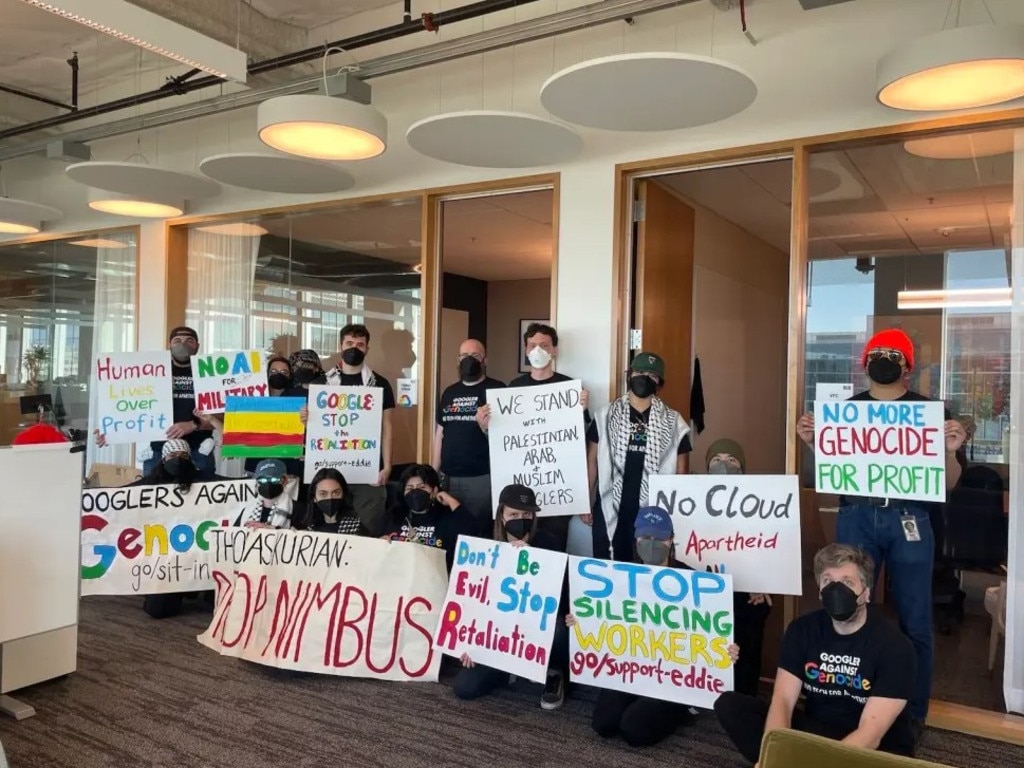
{"x": 642, "y": 722}
{"x": 474, "y": 494}
{"x": 205, "y": 463}
{"x": 909, "y": 564}
{"x": 479, "y": 680}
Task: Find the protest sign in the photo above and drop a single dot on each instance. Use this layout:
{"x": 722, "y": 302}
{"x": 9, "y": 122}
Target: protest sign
{"x": 744, "y": 525}
{"x": 327, "y": 603}
{"x": 219, "y": 375}
{"x": 263, "y": 428}
{"x": 658, "y": 632}
{"x": 150, "y": 539}
{"x": 502, "y": 606}
{"x": 882, "y": 449}
{"x": 536, "y": 439}
{"x": 828, "y": 391}
{"x": 133, "y": 396}
{"x": 344, "y": 432}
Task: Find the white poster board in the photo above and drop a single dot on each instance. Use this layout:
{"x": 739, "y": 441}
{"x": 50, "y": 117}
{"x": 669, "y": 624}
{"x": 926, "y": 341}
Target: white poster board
{"x": 344, "y": 432}
{"x": 502, "y": 606}
{"x": 882, "y": 449}
{"x": 536, "y": 438}
{"x": 218, "y": 375}
{"x": 745, "y": 525}
{"x": 133, "y": 396}
{"x": 829, "y": 391}
{"x": 658, "y": 632}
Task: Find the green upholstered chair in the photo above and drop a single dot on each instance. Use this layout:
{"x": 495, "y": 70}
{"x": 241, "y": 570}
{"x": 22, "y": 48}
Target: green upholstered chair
{"x": 793, "y": 749}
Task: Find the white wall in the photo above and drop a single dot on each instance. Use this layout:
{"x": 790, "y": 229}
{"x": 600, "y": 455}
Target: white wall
{"x": 508, "y": 302}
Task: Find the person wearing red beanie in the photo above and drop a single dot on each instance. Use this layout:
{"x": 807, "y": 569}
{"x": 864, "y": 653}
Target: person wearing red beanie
{"x": 883, "y": 527}
{"x": 39, "y": 434}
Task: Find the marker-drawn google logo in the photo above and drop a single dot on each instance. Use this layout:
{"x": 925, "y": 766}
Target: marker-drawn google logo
{"x": 156, "y": 539}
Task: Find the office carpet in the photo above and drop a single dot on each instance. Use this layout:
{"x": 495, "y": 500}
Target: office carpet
{"x": 147, "y": 694}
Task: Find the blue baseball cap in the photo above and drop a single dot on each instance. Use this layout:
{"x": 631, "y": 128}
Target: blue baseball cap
{"x": 654, "y": 522}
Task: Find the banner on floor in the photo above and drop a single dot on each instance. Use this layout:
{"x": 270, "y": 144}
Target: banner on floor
{"x": 218, "y": 375}
{"x": 882, "y": 449}
{"x": 344, "y": 432}
{"x": 744, "y": 525}
{"x": 652, "y": 631}
{"x": 152, "y": 539}
{"x": 133, "y": 396}
{"x": 502, "y": 606}
{"x": 536, "y": 439}
{"x": 327, "y": 603}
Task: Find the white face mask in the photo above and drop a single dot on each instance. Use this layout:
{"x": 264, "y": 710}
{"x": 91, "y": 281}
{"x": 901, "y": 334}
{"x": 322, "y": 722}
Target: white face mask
{"x": 539, "y": 357}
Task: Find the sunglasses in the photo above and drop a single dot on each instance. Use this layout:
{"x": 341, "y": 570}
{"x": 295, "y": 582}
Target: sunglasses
{"x": 892, "y": 354}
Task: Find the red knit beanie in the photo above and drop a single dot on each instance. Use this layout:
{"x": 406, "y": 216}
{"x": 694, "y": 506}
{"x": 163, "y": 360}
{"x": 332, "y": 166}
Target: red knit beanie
{"x": 891, "y": 338}
{"x": 39, "y": 434}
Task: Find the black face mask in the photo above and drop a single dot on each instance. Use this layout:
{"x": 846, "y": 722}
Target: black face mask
{"x": 470, "y": 369}
{"x": 331, "y": 507}
{"x": 418, "y": 501}
{"x": 353, "y": 356}
{"x": 519, "y": 528}
{"x": 839, "y": 601}
{"x": 882, "y": 370}
{"x": 269, "y": 490}
{"x": 278, "y": 380}
{"x": 642, "y": 386}
{"x": 304, "y": 375}
{"x": 180, "y": 468}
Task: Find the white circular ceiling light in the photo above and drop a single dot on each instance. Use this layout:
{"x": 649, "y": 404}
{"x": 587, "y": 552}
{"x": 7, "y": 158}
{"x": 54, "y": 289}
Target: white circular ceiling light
{"x": 22, "y": 217}
{"x": 265, "y": 172}
{"x": 322, "y": 127}
{"x": 962, "y": 146}
{"x": 143, "y": 181}
{"x": 141, "y": 207}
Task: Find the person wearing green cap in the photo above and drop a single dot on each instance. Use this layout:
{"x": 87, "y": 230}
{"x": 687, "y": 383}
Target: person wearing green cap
{"x": 629, "y": 440}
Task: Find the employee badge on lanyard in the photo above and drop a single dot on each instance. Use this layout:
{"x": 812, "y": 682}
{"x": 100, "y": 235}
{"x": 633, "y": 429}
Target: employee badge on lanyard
{"x": 910, "y": 531}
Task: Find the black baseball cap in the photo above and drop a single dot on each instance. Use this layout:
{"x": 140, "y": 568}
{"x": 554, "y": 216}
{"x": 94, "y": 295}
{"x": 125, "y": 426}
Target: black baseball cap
{"x": 183, "y": 330}
{"x": 519, "y": 497}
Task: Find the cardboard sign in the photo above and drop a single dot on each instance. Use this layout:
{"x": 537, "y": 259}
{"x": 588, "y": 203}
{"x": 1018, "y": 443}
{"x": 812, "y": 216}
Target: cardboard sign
{"x": 219, "y": 375}
{"x": 744, "y": 525}
{"x": 151, "y": 539}
{"x": 111, "y": 475}
{"x": 658, "y": 632}
{"x": 327, "y": 603}
{"x": 263, "y": 428}
{"x": 502, "y": 606}
{"x": 133, "y": 396}
{"x": 536, "y": 438}
{"x": 344, "y": 432}
{"x": 883, "y": 449}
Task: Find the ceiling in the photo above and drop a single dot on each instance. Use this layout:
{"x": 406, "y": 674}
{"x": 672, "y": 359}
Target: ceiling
{"x": 869, "y": 201}
{"x": 314, "y": 13}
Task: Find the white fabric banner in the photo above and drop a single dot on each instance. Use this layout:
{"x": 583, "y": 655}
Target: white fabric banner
{"x": 327, "y": 603}
{"x": 152, "y": 539}
{"x": 344, "y": 432}
{"x": 744, "y": 525}
{"x": 502, "y": 606}
{"x": 536, "y": 438}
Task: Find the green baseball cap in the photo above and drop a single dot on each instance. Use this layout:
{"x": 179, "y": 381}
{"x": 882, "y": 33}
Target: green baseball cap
{"x": 648, "y": 362}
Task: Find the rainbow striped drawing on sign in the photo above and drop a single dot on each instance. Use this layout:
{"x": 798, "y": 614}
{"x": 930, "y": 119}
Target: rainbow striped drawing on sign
{"x": 263, "y": 427}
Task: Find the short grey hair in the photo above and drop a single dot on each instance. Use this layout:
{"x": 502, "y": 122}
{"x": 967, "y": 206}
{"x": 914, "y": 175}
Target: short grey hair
{"x": 838, "y": 555}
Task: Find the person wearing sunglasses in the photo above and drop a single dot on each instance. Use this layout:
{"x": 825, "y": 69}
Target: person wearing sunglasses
{"x": 897, "y": 532}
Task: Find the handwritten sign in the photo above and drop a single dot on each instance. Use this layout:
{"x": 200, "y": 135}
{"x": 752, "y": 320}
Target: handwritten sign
{"x": 327, "y": 603}
{"x": 536, "y": 439}
{"x": 658, "y": 632}
{"x": 263, "y": 427}
{"x": 222, "y": 374}
{"x": 133, "y": 396}
{"x": 407, "y": 392}
{"x": 150, "y": 539}
{"x": 882, "y": 449}
{"x": 344, "y": 432}
{"x": 502, "y": 606}
{"x": 744, "y": 525}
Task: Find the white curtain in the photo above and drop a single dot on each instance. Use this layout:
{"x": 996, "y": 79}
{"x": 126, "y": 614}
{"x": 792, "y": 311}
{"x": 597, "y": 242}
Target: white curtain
{"x": 113, "y": 328}
{"x": 1013, "y": 670}
{"x": 221, "y": 273}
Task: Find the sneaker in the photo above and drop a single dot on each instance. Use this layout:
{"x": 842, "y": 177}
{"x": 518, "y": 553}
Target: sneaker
{"x": 554, "y": 692}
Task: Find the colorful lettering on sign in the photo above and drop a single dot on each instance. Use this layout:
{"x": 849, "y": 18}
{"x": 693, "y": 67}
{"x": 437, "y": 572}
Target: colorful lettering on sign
{"x": 229, "y": 365}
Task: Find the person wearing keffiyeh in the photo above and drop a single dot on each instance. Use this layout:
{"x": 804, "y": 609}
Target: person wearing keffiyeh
{"x": 630, "y": 439}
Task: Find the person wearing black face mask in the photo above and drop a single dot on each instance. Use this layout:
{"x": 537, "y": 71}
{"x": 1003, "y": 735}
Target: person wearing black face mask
{"x": 515, "y": 522}
{"x": 461, "y": 452}
{"x": 277, "y": 506}
{"x": 853, "y": 666}
{"x": 629, "y": 440}
{"x": 895, "y": 532}
{"x": 328, "y": 507}
{"x": 424, "y": 514}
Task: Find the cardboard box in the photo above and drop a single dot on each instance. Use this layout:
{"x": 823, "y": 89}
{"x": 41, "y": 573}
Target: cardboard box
{"x": 111, "y": 475}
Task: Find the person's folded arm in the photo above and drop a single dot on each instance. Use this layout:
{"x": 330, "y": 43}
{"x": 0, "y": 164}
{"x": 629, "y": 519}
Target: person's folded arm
{"x": 875, "y": 721}
{"x": 784, "y": 698}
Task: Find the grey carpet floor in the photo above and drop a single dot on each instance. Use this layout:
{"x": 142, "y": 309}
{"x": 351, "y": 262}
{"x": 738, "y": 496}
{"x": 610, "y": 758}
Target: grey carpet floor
{"x": 147, "y": 694}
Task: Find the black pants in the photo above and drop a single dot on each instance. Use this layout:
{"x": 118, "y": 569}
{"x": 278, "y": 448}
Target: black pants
{"x": 479, "y": 680}
{"x": 558, "y": 527}
{"x": 748, "y": 634}
{"x": 642, "y": 722}
{"x": 743, "y": 719}
{"x": 168, "y": 604}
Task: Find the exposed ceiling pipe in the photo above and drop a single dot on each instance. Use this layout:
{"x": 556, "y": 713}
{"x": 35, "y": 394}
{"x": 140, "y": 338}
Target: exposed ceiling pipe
{"x": 518, "y": 33}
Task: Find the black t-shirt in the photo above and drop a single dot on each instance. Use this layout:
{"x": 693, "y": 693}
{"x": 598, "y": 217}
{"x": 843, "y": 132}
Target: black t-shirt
{"x": 632, "y": 479}
{"x": 438, "y": 527}
{"x": 183, "y": 403}
{"x": 356, "y": 380}
{"x": 840, "y": 673}
{"x": 464, "y": 451}
{"x": 525, "y": 380}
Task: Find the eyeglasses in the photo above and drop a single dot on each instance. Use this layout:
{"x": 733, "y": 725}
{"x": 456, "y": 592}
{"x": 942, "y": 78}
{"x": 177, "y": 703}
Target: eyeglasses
{"x": 262, "y": 480}
{"x": 892, "y": 354}
{"x": 477, "y": 355}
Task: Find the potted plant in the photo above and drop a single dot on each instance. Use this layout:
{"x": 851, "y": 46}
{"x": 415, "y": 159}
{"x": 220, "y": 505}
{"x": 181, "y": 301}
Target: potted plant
{"x": 33, "y": 361}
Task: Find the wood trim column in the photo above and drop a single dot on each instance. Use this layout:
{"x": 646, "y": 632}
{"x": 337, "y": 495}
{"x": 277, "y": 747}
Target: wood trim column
{"x": 430, "y": 319}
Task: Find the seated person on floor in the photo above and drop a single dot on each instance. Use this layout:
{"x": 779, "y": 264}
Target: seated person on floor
{"x": 854, "y": 668}
{"x": 516, "y": 523}
{"x": 329, "y": 506}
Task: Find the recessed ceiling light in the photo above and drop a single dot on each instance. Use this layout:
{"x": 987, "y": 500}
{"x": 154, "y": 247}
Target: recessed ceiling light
{"x": 322, "y": 127}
